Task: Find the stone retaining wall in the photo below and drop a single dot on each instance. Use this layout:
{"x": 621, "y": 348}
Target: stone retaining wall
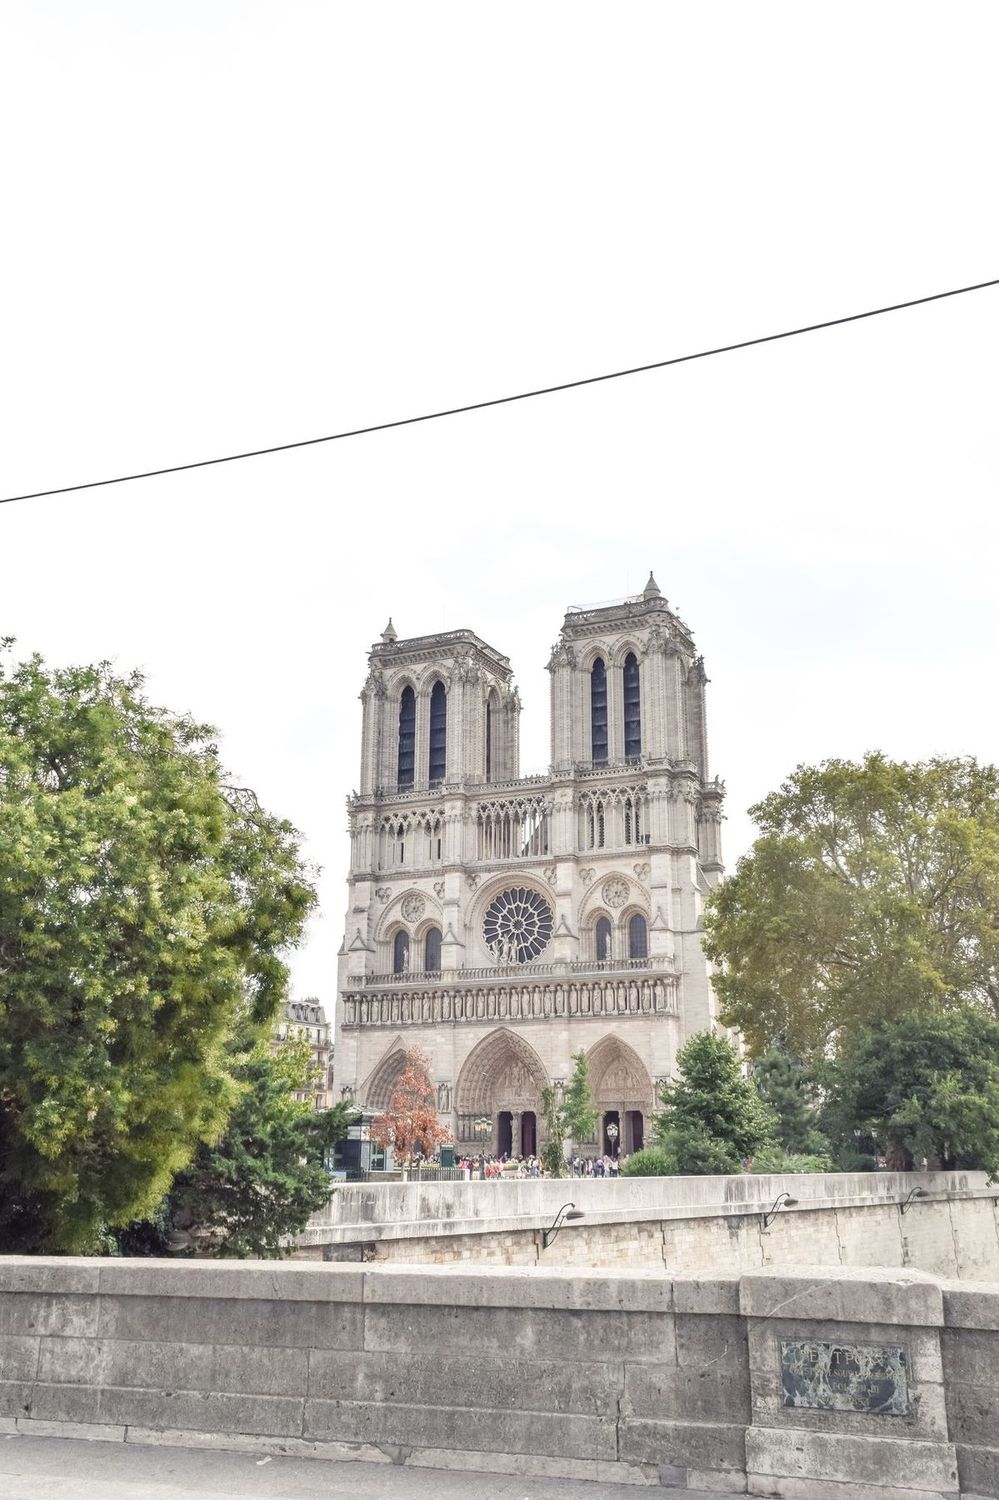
{"x": 642, "y": 1377}
{"x": 672, "y": 1223}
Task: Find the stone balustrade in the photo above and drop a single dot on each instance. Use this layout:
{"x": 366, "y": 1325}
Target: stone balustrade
{"x": 435, "y": 1000}
{"x": 657, "y": 963}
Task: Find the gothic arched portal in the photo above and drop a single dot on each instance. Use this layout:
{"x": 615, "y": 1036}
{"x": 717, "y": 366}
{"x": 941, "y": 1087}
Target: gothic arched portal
{"x": 378, "y": 1090}
{"x": 501, "y": 1080}
{"x": 622, "y": 1093}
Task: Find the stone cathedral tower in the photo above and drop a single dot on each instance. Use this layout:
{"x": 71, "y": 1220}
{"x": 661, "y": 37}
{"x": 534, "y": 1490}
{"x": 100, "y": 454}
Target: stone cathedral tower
{"x": 503, "y": 922}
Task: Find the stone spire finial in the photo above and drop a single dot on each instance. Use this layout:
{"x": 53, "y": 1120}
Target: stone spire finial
{"x": 652, "y": 589}
{"x": 389, "y": 633}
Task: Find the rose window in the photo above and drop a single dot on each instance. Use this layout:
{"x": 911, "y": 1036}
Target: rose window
{"x": 518, "y": 926}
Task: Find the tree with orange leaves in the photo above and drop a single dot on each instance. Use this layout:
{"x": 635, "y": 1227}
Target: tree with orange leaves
{"x": 410, "y": 1124}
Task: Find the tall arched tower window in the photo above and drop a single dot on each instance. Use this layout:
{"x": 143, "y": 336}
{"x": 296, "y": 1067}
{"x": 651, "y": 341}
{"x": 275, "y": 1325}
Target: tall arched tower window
{"x": 603, "y": 939}
{"x": 407, "y": 737}
{"x": 490, "y": 734}
{"x": 400, "y": 952}
{"x": 598, "y": 712}
{"x": 638, "y": 937}
{"x": 632, "y": 707}
{"x": 432, "y": 950}
{"x": 438, "y": 733}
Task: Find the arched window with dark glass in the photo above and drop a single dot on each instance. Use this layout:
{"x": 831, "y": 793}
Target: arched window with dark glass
{"x": 407, "y": 737}
{"x": 598, "y": 712}
{"x": 400, "y": 952}
{"x": 632, "y": 707}
{"x": 603, "y": 939}
{"x": 438, "y": 733}
{"x": 432, "y": 950}
{"x": 489, "y": 739}
{"x": 638, "y": 937}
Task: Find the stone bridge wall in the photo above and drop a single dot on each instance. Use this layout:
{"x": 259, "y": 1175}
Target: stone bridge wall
{"x": 852, "y": 1384}
{"x": 672, "y": 1223}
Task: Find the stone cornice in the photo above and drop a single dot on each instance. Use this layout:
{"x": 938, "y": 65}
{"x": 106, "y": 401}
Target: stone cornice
{"x": 446, "y": 644}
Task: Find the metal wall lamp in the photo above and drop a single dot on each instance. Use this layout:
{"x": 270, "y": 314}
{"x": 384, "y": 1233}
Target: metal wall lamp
{"x": 916, "y": 1193}
{"x": 782, "y": 1200}
{"x": 566, "y": 1212}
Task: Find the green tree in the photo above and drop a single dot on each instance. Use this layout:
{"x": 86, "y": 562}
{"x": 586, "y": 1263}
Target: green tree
{"x": 572, "y": 1117}
{"x": 144, "y": 906}
{"x": 873, "y": 889}
{"x": 712, "y": 1116}
{"x": 268, "y": 1172}
{"x": 579, "y": 1118}
{"x": 924, "y": 1084}
{"x": 553, "y": 1151}
{"x": 784, "y": 1083}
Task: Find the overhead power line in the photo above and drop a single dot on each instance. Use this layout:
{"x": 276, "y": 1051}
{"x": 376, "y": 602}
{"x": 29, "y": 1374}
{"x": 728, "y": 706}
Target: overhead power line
{"x": 546, "y": 390}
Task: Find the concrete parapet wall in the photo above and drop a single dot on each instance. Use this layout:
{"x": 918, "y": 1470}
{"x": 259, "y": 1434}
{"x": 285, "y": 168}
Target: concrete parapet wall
{"x": 672, "y": 1223}
{"x": 642, "y": 1377}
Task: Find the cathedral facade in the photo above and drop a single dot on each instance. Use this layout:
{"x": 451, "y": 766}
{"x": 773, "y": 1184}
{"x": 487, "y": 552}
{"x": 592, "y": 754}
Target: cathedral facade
{"x": 502, "y": 923}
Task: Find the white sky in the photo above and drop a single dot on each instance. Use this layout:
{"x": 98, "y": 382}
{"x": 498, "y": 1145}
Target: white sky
{"x": 230, "y": 225}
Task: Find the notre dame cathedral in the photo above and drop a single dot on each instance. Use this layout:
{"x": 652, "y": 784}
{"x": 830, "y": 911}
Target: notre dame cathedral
{"x": 502, "y": 922}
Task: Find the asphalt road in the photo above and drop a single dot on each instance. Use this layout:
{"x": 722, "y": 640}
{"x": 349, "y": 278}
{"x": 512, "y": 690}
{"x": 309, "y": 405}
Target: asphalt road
{"x": 38, "y": 1468}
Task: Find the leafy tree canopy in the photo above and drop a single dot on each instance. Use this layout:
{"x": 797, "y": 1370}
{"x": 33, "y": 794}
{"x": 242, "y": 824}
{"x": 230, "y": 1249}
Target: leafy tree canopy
{"x": 924, "y": 1084}
{"x": 261, "y": 1181}
{"x": 144, "y": 906}
{"x": 712, "y": 1116}
{"x": 410, "y": 1124}
{"x": 872, "y": 889}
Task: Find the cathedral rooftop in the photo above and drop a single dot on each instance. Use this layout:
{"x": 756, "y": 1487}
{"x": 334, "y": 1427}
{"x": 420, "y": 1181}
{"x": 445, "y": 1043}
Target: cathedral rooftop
{"x": 445, "y": 642}
{"x": 613, "y": 612}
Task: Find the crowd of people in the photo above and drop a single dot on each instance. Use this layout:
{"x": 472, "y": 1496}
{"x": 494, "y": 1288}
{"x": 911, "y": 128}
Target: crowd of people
{"x": 505, "y": 1167}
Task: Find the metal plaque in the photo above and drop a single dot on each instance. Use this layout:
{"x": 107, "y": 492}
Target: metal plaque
{"x": 871, "y": 1378}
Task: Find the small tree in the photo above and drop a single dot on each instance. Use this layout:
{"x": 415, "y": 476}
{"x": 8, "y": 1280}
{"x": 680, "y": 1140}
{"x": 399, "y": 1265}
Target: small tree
{"x": 573, "y": 1117}
{"x": 787, "y": 1087}
{"x": 553, "y": 1151}
{"x": 411, "y": 1125}
{"x": 713, "y": 1117}
{"x": 579, "y": 1118}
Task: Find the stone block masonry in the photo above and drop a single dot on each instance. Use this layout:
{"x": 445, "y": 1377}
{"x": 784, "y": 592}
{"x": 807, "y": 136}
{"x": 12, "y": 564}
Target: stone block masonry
{"x": 671, "y": 1223}
{"x": 851, "y": 1383}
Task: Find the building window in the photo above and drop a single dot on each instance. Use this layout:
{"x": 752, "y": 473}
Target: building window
{"x": 598, "y": 713}
{"x": 638, "y": 937}
{"x": 595, "y": 825}
{"x": 633, "y": 833}
{"x": 438, "y": 733}
{"x": 489, "y": 739}
{"x": 407, "y": 737}
{"x": 603, "y": 940}
{"x": 432, "y": 950}
{"x": 400, "y": 952}
{"x": 632, "y": 708}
